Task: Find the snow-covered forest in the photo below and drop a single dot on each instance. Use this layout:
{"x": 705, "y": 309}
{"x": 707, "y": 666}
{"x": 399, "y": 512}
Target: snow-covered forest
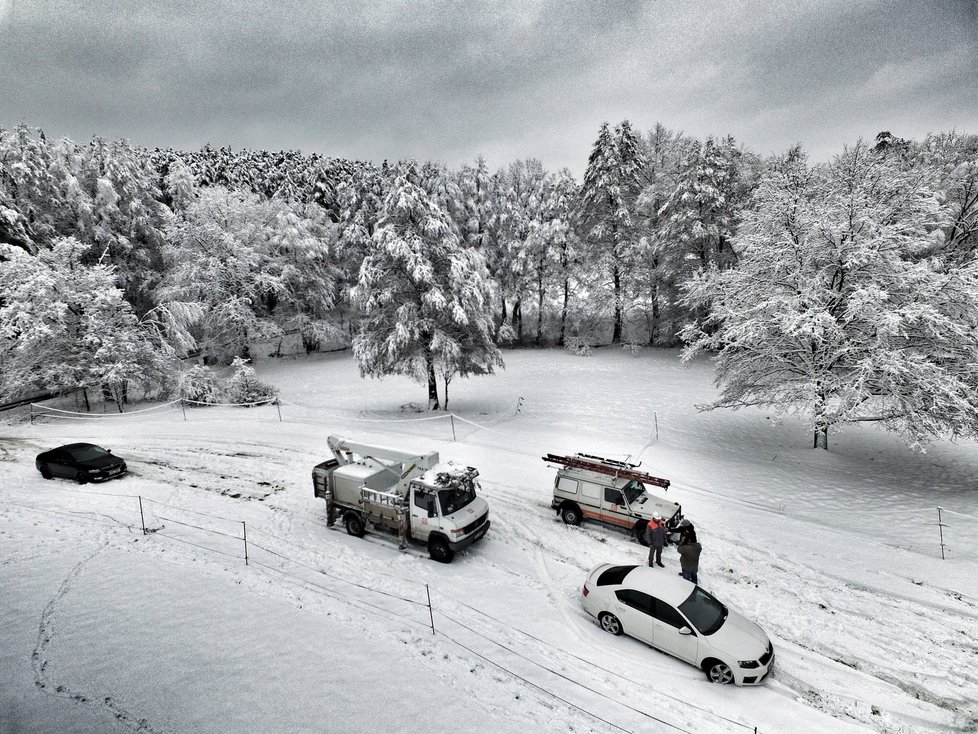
{"x": 844, "y": 290}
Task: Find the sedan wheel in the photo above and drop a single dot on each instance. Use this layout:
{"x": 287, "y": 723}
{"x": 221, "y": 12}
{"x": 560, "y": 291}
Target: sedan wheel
{"x": 610, "y": 623}
{"x": 81, "y": 477}
{"x": 717, "y": 672}
{"x": 46, "y": 471}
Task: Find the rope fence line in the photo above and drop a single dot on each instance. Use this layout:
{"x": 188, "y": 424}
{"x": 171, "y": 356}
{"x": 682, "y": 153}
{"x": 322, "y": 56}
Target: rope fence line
{"x": 38, "y": 412}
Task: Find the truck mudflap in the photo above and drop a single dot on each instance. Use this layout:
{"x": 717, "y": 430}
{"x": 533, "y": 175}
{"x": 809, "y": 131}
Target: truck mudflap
{"x": 466, "y": 542}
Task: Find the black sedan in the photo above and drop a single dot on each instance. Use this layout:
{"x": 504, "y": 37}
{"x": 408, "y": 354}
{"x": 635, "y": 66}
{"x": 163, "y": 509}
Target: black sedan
{"x": 83, "y": 462}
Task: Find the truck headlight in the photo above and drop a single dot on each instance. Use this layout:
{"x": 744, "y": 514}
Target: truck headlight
{"x": 457, "y": 531}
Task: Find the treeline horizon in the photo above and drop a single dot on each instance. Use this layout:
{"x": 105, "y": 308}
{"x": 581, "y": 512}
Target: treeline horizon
{"x": 116, "y": 260}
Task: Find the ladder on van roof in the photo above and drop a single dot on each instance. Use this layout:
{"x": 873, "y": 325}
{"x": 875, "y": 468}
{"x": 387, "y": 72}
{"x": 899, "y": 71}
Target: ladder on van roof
{"x": 607, "y": 466}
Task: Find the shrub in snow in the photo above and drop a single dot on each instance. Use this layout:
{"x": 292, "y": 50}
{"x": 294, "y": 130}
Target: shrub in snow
{"x": 200, "y": 385}
{"x": 578, "y": 345}
{"x": 245, "y": 387}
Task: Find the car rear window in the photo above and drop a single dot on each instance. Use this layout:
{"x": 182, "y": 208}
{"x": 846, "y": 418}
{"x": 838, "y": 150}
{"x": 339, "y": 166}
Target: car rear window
{"x": 614, "y": 575}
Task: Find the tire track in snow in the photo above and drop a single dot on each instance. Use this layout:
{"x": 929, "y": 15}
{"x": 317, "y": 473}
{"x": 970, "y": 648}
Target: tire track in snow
{"x": 39, "y": 661}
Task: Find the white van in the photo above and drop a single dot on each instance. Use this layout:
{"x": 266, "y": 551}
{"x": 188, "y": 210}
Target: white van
{"x": 610, "y": 492}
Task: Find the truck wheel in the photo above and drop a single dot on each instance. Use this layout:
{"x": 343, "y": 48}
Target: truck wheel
{"x": 639, "y": 530}
{"x": 570, "y": 514}
{"x": 354, "y": 525}
{"x": 439, "y": 551}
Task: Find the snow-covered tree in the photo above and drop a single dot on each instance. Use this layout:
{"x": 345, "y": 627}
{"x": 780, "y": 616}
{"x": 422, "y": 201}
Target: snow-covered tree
{"x": 256, "y": 267}
{"x": 612, "y": 183}
{"x": 698, "y": 220}
{"x": 65, "y": 325}
{"x": 832, "y": 313}
{"x": 424, "y": 296}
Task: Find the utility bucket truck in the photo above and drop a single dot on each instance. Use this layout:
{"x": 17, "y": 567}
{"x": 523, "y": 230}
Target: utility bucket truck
{"x": 611, "y": 492}
{"x": 414, "y": 496}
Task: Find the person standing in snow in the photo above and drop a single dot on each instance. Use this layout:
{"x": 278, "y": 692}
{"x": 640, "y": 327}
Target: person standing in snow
{"x": 655, "y": 536}
{"x": 689, "y": 555}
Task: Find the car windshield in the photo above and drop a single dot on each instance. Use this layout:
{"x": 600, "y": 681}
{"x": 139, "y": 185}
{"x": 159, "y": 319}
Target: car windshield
{"x": 87, "y": 453}
{"x": 706, "y": 613}
{"x": 454, "y": 499}
{"x": 633, "y": 490}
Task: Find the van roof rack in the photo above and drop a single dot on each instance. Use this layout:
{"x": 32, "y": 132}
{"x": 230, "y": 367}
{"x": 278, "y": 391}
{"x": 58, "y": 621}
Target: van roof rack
{"x": 607, "y": 466}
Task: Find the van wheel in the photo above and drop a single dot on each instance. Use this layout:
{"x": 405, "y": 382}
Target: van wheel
{"x": 639, "y": 530}
{"x": 354, "y": 525}
{"x": 439, "y": 551}
{"x": 717, "y": 672}
{"x": 571, "y": 514}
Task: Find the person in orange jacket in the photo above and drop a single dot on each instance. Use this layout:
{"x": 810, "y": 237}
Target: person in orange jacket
{"x": 656, "y": 537}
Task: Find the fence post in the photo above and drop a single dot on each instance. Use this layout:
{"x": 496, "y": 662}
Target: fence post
{"x": 940, "y": 528}
{"x": 452, "y": 416}
{"x": 32, "y": 413}
{"x": 430, "y": 613}
{"x": 278, "y": 406}
{"x": 142, "y": 519}
{"x": 183, "y": 407}
{"x": 245, "y": 538}
{"x": 655, "y": 419}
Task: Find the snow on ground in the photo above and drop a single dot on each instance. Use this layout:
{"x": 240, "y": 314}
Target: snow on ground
{"x": 835, "y": 554}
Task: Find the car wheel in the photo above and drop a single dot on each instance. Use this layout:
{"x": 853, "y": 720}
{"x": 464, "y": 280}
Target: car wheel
{"x": 46, "y": 471}
{"x": 610, "y": 623}
{"x": 81, "y": 477}
{"x": 717, "y": 672}
{"x": 354, "y": 525}
{"x": 571, "y": 514}
{"x": 439, "y": 551}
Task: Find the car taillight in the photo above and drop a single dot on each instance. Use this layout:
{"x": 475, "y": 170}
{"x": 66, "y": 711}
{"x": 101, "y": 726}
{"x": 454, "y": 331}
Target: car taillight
{"x": 586, "y": 590}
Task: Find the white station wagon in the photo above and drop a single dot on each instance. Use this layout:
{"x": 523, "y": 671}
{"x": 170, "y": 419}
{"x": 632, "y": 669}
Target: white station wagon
{"x": 678, "y": 617}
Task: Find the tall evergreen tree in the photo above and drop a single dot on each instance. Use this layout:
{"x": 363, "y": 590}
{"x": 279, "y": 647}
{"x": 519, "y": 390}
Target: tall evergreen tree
{"x": 612, "y": 183}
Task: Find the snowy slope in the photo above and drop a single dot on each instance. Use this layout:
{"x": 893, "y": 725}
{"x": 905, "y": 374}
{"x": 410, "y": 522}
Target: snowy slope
{"x": 836, "y": 555}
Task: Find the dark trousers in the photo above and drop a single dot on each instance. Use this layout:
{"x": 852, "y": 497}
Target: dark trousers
{"x": 655, "y": 554}
{"x": 690, "y": 576}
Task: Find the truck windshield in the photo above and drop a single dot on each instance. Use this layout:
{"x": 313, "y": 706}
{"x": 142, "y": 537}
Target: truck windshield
{"x": 633, "y": 490}
{"x": 454, "y": 499}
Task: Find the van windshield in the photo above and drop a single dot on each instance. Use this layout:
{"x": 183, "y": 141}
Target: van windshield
{"x": 633, "y": 490}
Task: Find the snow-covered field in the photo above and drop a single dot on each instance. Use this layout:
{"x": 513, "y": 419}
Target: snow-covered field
{"x": 835, "y": 554}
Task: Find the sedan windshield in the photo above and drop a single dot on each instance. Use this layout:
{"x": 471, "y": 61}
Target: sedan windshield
{"x": 706, "y": 613}
{"x": 87, "y": 453}
{"x": 454, "y": 499}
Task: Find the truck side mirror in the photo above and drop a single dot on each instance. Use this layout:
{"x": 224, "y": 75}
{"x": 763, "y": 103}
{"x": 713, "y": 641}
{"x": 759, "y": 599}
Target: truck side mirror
{"x": 431, "y": 505}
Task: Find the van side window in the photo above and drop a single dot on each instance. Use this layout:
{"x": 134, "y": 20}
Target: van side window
{"x": 613, "y": 496}
{"x": 567, "y": 485}
{"x": 591, "y": 491}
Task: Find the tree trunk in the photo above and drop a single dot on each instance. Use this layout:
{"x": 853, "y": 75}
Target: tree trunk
{"x": 821, "y": 437}
{"x": 447, "y": 380}
{"x": 432, "y": 383}
{"x": 540, "y": 313}
{"x": 616, "y": 333}
{"x": 563, "y": 312}
{"x": 517, "y": 319}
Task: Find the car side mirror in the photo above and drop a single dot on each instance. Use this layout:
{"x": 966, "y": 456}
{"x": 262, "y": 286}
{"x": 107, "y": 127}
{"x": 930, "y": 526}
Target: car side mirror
{"x": 685, "y": 631}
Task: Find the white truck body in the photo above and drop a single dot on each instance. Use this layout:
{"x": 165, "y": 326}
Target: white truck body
{"x": 415, "y": 496}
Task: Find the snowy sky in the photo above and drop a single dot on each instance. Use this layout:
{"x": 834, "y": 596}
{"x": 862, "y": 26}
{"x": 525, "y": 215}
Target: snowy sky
{"x": 451, "y": 80}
